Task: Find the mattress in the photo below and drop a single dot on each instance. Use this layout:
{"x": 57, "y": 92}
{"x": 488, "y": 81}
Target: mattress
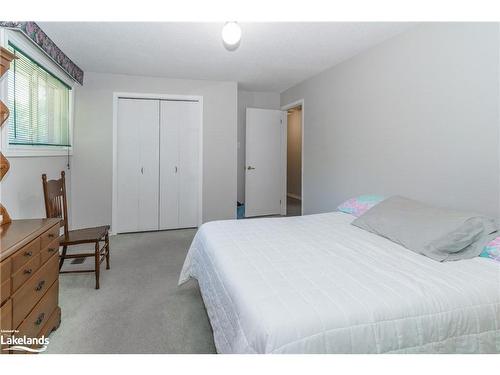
{"x": 316, "y": 284}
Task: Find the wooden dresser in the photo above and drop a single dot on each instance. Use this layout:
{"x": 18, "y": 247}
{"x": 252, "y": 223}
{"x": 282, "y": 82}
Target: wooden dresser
{"x": 29, "y": 278}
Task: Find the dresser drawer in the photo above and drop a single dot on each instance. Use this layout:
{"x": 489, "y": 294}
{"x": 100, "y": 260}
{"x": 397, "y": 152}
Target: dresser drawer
{"x": 33, "y": 290}
{"x": 50, "y": 236}
{"x": 28, "y": 252}
{"x": 51, "y": 249}
{"x": 25, "y": 272}
{"x": 5, "y": 270}
{"x": 41, "y": 313}
{"x": 5, "y": 323}
{"x": 6, "y": 316}
{"x": 52, "y": 323}
{"x": 5, "y": 280}
{"x": 5, "y": 291}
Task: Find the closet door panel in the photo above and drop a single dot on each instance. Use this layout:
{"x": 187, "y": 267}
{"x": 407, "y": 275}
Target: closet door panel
{"x": 189, "y": 171}
{"x": 180, "y": 128}
{"x": 137, "y": 165}
{"x": 128, "y": 165}
{"x": 169, "y": 166}
{"x": 149, "y": 154}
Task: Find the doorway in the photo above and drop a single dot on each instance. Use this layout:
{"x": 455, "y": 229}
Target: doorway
{"x": 294, "y": 161}
{"x": 274, "y": 161}
{"x": 264, "y": 159}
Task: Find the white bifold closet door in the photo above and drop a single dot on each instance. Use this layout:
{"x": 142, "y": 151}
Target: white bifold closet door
{"x": 179, "y": 163}
{"x": 158, "y": 164}
{"x": 138, "y": 164}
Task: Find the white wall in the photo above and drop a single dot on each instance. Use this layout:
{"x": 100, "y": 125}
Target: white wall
{"x": 22, "y": 192}
{"x": 92, "y": 160}
{"x": 250, "y": 99}
{"x": 416, "y": 115}
{"x": 294, "y": 154}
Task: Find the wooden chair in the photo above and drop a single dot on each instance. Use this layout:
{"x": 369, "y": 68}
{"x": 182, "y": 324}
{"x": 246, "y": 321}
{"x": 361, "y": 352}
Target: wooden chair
{"x": 56, "y": 206}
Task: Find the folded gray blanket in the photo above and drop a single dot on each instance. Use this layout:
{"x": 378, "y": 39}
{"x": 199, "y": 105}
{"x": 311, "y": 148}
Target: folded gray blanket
{"x": 438, "y": 233}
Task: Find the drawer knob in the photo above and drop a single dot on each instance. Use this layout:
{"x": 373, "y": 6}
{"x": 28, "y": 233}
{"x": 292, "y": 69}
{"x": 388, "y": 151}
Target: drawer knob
{"x": 28, "y": 253}
{"x": 51, "y": 249}
{"x": 40, "y": 285}
{"x": 39, "y": 320}
{"x": 51, "y": 235}
{"x": 28, "y": 271}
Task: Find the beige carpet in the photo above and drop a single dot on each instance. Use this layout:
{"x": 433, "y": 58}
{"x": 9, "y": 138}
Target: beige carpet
{"x": 139, "y": 308}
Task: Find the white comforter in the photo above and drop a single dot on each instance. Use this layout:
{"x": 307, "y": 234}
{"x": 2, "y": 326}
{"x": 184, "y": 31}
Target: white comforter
{"x": 316, "y": 284}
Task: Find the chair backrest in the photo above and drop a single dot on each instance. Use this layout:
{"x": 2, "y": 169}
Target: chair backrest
{"x": 56, "y": 206}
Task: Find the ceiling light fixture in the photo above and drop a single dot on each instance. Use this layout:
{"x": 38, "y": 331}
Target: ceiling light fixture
{"x": 231, "y": 35}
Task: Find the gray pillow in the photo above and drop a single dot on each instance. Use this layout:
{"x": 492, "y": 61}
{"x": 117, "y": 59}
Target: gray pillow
{"x": 438, "y": 233}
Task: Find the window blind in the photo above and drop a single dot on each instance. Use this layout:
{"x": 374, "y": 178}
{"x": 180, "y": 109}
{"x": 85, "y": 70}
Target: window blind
{"x": 39, "y": 104}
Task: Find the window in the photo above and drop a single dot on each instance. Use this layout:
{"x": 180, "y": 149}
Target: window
{"x": 39, "y": 104}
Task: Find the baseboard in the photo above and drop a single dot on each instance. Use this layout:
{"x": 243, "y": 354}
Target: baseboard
{"x": 294, "y": 196}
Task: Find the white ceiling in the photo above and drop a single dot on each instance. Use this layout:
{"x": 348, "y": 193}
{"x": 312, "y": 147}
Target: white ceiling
{"x": 271, "y": 57}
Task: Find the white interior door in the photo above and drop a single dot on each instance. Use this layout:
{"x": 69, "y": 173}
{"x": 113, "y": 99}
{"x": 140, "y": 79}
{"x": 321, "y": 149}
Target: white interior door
{"x": 137, "y": 165}
{"x": 180, "y": 127}
{"x": 264, "y": 162}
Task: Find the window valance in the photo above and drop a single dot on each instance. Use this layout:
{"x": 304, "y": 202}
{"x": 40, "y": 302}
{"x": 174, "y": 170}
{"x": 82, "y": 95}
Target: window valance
{"x": 37, "y": 36}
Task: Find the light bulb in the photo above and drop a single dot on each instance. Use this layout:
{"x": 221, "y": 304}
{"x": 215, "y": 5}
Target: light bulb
{"x": 231, "y": 35}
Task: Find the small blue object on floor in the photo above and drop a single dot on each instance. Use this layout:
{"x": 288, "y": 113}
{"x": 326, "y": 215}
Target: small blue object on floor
{"x": 240, "y": 211}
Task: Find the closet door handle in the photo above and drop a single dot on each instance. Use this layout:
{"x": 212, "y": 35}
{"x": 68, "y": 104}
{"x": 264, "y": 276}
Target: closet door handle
{"x": 142, "y": 170}
{"x": 175, "y": 169}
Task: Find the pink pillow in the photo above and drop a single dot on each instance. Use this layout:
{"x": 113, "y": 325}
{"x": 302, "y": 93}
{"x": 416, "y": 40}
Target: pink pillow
{"x": 359, "y": 205}
{"x": 492, "y": 250}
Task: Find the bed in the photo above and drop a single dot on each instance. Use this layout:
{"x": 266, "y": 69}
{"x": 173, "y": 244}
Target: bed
{"x": 316, "y": 284}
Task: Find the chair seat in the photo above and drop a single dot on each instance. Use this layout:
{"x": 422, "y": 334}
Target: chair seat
{"x": 86, "y": 235}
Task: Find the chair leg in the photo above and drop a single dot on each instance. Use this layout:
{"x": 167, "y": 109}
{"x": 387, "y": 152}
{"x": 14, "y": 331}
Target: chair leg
{"x": 106, "y": 239}
{"x": 97, "y": 264}
{"x": 62, "y": 257}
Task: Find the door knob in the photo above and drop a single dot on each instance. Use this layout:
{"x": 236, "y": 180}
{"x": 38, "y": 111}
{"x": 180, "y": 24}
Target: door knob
{"x": 250, "y": 168}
